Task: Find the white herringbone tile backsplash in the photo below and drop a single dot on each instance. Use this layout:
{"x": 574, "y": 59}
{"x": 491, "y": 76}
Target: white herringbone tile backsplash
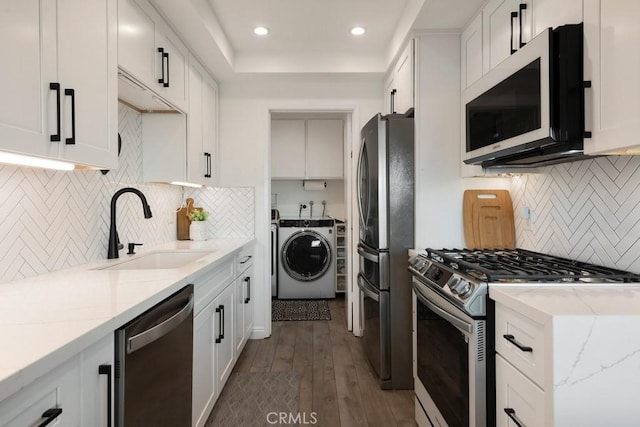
{"x": 587, "y": 210}
{"x": 51, "y": 220}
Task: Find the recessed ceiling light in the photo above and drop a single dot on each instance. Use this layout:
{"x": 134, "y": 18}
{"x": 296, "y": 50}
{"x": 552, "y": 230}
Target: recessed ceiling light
{"x": 261, "y": 31}
{"x": 357, "y": 31}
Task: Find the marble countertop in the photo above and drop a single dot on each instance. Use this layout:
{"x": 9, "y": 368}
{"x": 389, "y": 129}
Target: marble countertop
{"x": 47, "y": 319}
{"x": 543, "y": 302}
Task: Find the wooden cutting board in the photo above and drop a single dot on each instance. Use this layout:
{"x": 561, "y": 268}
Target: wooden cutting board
{"x": 488, "y": 219}
{"x": 183, "y": 220}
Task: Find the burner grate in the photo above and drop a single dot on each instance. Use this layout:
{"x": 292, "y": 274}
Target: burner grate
{"x": 513, "y": 265}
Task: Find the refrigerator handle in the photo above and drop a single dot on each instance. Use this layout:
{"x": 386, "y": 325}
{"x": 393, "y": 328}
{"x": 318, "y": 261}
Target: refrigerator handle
{"x": 358, "y": 188}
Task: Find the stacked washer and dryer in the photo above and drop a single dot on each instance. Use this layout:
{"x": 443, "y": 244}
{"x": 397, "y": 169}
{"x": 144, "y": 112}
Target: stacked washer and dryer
{"x": 306, "y": 259}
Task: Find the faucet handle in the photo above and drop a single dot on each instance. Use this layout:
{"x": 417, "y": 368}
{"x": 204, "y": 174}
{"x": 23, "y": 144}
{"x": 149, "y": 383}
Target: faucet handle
{"x": 131, "y": 247}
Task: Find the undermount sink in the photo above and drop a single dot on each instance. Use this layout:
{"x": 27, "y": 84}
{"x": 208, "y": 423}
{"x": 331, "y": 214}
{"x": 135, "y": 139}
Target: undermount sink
{"x": 165, "y": 260}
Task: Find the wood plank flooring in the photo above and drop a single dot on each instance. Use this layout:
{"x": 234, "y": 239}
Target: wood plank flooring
{"x": 337, "y": 382}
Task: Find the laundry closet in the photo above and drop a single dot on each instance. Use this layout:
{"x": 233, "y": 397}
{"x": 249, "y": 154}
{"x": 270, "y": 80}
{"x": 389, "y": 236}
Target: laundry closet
{"x": 308, "y": 205}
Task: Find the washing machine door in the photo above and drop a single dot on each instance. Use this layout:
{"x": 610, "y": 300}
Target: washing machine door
{"x": 306, "y": 255}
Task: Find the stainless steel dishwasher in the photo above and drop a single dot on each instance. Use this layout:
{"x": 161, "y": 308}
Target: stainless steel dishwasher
{"x": 154, "y": 363}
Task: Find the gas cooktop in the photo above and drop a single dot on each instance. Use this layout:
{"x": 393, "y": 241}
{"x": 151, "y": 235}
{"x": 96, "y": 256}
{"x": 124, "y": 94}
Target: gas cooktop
{"x": 462, "y": 275}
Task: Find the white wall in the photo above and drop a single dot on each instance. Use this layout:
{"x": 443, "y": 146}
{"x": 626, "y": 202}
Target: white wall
{"x": 439, "y": 187}
{"x": 245, "y": 108}
{"x": 290, "y": 193}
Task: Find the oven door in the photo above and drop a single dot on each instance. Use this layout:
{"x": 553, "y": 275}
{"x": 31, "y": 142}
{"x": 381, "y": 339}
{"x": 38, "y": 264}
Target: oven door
{"x": 450, "y": 362}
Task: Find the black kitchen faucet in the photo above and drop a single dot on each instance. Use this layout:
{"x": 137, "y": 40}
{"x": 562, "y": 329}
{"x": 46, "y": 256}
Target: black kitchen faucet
{"x": 114, "y": 241}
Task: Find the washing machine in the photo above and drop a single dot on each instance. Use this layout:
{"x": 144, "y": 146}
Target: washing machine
{"x": 306, "y": 264}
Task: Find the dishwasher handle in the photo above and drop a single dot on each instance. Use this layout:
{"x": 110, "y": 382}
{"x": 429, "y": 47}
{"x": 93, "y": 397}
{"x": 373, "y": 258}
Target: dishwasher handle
{"x": 142, "y": 339}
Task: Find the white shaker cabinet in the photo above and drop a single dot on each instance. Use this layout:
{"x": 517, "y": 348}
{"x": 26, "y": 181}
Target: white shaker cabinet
{"x": 97, "y": 376}
{"x": 471, "y": 52}
{"x": 612, "y": 36}
{"x": 205, "y": 386}
{"x": 244, "y": 298}
{"x": 553, "y": 13}
{"x": 201, "y": 126}
{"x": 398, "y": 96}
{"x": 224, "y": 324}
{"x": 150, "y": 52}
{"x": 60, "y": 96}
{"x": 288, "y": 149}
{"x": 506, "y": 25}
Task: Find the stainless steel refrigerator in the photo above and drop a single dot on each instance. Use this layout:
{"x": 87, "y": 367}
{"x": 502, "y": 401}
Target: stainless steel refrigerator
{"x": 386, "y": 206}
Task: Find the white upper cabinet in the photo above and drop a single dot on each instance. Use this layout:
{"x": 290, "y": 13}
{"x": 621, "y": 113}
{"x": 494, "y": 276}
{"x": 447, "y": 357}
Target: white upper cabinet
{"x": 201, "y": 126}
{"x": 506, "y": 26}
{"x": 164, "y": 148}
{"x": 288, "y": 149}
{"x": 553, "y": 13}
{"x": 61, "y": 98}
{"x": 471, "y": 52}
{"x": 612, "y": 37}
{"x": 307, "y": 149}
{"x": 151, "y": 53}
{"x": 398, "y": 88}
{"x": 325, "y": 148}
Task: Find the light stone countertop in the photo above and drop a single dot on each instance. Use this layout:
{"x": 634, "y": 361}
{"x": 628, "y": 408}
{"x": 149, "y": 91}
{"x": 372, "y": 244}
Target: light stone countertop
{"x": 47, "y": 319}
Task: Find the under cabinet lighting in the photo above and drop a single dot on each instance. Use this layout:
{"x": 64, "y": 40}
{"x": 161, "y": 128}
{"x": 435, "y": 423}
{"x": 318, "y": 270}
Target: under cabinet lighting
{"x": 261, "y": 31}
{"x": 35, "y": 162}
{"x": 185, "y": 184}
{"x": 357, "y": 31}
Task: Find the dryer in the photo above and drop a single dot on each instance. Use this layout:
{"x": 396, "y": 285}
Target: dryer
{"x": 306, "y": 264}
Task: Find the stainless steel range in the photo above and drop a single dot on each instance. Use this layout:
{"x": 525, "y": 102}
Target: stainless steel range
{"x": 454, "y": 329}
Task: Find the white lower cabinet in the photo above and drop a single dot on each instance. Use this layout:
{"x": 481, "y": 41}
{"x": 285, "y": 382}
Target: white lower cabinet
{"x": 244, "y": 300}
{"x": 518, "y": 399}
{"x": 223, "y": 330}
{"x": 73, "y": 394}
{"x": 204, "y": 384}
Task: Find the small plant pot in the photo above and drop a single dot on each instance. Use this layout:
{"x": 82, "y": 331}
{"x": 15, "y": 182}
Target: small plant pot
{"x": 198, "y": 231}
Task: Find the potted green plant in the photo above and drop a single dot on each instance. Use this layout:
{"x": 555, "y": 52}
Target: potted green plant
{"x": 198, "y": 227}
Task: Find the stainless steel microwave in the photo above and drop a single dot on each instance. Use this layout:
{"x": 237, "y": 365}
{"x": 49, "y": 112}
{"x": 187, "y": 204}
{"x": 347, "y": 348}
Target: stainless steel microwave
{"x": 528, "y": 111}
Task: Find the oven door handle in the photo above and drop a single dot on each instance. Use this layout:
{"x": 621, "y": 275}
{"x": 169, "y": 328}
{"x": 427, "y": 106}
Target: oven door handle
{"x": 367, "y": 289}
{"x": 459, "y": 324}
{"x": 367, "y": 254}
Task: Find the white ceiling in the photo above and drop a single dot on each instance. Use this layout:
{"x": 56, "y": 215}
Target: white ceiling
{"x": 308, "y": 36}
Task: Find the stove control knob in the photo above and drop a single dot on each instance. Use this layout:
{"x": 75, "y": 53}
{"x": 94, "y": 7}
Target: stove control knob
{"x": 464, "y": 289}
{"x": 453, "y": 282}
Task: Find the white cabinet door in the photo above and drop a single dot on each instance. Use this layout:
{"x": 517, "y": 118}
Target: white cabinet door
{"x": 388, "y": 95}
{"x": 241, "y": 294}
{"x": 325, "y": 149}
{"x": 172, "y": 68}
{"x": 87, "y": 34}
{"x": 517, "y": 398}
{"x": 471, "y": 52}
{"x": 224, "y": 330}
{"x": 204, "y": 376}
{"x": 403, "y": 100}
{"x": 202, "y": 126}
{"x": 97, "y": 371}
{"x": 552, "y": 13}
{"x": 137, "y": 53}
{"x": 248, "y": 281}
{"x": 612, "y": 37}
{"x": 288, "y": 149}
{"x": 501, "y": 23}
{"x": 164, "y": 148}
{"x": 28, "y": 107}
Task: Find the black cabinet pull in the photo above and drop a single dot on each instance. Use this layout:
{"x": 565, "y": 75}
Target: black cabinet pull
{"x": 523, "y": 7}
{"x": 164, "y": 81}
{"x": 513, "y": 341}
{"x": 245, "y": 259}
{"x": 220, "y": 320}
{"x": 106, "y": 370}
{"x": 50, "y": 415}
{"x": 512, "y": 414}
{"x": 514, "y": 15}
{"x": 207, "y": 159}
{"x": 393, "y": 100}
{"x": 72, "y": 94}
{"x": 56, "y": 86}
{"x": 247, "y": 280}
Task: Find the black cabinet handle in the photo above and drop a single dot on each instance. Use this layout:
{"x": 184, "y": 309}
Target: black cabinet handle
{"x": 393, "y": 101}
{"x": 513, "y": 341}
{"x": 512, "y": 414}
{"x": 50, "y": 415}
{"x": 72, "y": 94}
{"x": 220, "y": 311}
{"x": 247, "y": 280}
{"x": 56, "y": 87}
{"x": 164, "y": 81}
{"x": 106, "y": 370}
{"x": 207, "y": 159}
{"x": 523, "y": 7}
{"x": 514, "y": 15}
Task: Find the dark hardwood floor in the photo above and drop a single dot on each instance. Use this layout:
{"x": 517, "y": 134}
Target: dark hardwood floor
{"x": 337, "y": 382}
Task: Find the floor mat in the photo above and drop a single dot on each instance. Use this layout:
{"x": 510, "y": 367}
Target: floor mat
{"x": 299, "y": 310}
{"x": 249, "y": 399}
